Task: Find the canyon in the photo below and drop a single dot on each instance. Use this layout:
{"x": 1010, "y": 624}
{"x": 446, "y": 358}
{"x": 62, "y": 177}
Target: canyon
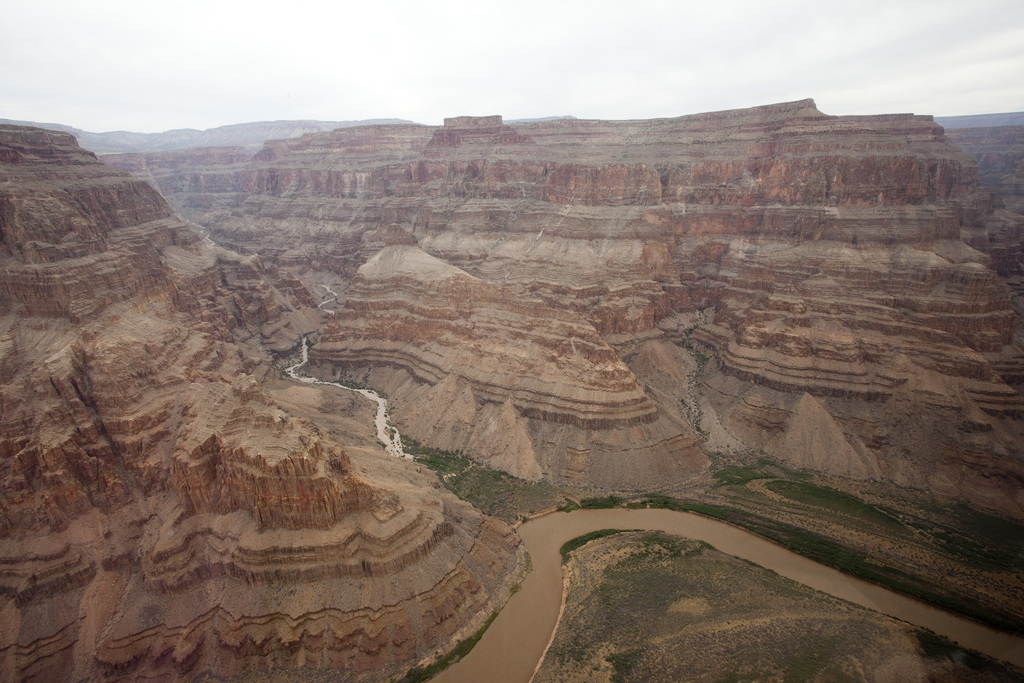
{"x": 169, "y": 503}
{"x": 207, "y": 355}
{"x": 607, "y": 302}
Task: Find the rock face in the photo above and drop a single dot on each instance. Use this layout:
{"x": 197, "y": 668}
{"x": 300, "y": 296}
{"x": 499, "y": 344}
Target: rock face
{"x": 999, "y": 151}
{"x": 164, "y": 170}
{"x": 161, "y": 512}
{"x": 525, "y": 387}
{"x": 1000, "y": 155}
{"x": 846, "y": 267}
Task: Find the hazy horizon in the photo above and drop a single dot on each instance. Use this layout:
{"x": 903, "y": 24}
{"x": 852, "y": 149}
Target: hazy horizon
{"x": 398, "y": 119}
{"x": 120, "y": 66}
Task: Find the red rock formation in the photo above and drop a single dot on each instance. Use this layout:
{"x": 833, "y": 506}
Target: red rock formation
{"x": 852, "y": 259}
{"x": 998, "y": 228}
{"x": 475, "y": 130}
{"x": 151, "y": 491}
{"x": 1000, "y": 155}
{"x": 476, "y": 353}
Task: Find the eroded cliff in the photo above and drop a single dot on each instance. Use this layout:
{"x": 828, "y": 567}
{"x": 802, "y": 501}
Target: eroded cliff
{"x": 1000, "y": 155}
{"x": 525, "y": 387}
{"x": 166, "y": 508}
{"x": 831, "y": 269}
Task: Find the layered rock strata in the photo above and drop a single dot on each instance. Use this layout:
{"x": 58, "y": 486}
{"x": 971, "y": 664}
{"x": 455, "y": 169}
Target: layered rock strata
{"x": 999, "y": 151}
{"x": 168, "y": 171}
{"x": 161, "y": 513}
{"x": 250, "y": 136}
{"x": 1000, "y": 234}
{"x": 523, "y": 386}
{"x": 848, "y": 258}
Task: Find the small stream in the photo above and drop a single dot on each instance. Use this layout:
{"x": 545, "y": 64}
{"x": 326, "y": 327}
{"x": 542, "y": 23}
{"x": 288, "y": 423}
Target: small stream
{"x": 323, "y": 303}
{"x": 387, "y": 434}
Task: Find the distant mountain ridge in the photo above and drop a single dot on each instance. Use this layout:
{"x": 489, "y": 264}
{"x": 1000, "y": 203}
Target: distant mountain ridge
{"x": 981, "y": 120}
{"x": 248, "y": 135}
{"x": 542, "y": 119}
{"x": 252, "y": 135}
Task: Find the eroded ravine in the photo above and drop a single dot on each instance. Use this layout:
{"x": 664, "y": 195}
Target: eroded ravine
{"x": 513, "y": 646}
{"x": 387, "y": 434}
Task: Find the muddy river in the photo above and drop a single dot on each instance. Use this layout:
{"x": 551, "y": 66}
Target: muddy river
{"x": 512, "y": 648}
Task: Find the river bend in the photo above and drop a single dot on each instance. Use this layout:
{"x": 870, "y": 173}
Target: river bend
{"x": 512, "y": 647}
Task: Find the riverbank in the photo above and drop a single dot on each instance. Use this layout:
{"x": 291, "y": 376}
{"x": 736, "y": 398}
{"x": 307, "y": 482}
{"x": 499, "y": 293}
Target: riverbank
{"x": 511, "y": 649}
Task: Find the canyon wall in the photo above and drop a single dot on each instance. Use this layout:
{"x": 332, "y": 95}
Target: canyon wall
{"x": 521, "y": 385}
{"x": 1000, "y": 155}
{"x": 835, "y": 289}
{"x": 999, "y": 151}
{"x": 164, "y": 509}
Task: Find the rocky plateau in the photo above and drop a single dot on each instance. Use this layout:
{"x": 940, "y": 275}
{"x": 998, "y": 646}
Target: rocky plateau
{"x": 169, "y": 504}
{"x": 606, "y": 302}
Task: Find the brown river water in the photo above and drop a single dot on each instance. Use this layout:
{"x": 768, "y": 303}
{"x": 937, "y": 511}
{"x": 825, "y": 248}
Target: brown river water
{"x": 512, "y": 647}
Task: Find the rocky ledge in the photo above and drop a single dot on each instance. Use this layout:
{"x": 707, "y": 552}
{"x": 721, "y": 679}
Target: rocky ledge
{"x": 854, "y": 260}
{"x": 1000, "y": 154}
{"x": 526, "y": 387}
{"x": 163, "y": 514}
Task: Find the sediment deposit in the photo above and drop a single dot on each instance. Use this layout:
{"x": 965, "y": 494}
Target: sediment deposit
{"x": 163, "y": 511}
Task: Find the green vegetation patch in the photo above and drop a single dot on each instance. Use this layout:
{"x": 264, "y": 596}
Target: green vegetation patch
{"x": 699, "y": 357}
{"x": 774, "y": 469}
{"x": 580, "y": 541}
{"x": 442, "y": 462}
{"x": 622, "y": 662}
{"x": 694, "y": 415}
{"x": 738, "y": 475}
{"x": 831, "y": 499}
{"x": 988, "y": 527}
{"x": 602, "y": 503}
{"x": 810, "y": 659}
{"x": 418, "y": 674}
{"x": 569, "y": 506}
{"x": 935, "y": 646}
{"x": 658, "y": 546}
{"x": 980, "y": 539}
{"x": 660, "y": 502}
{"x": 341, "y": 376}
{"x": 490, "y": 491}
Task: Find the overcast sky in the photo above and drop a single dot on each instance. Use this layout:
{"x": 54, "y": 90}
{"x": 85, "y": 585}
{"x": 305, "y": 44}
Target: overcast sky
{"x": 105, "y": 65}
